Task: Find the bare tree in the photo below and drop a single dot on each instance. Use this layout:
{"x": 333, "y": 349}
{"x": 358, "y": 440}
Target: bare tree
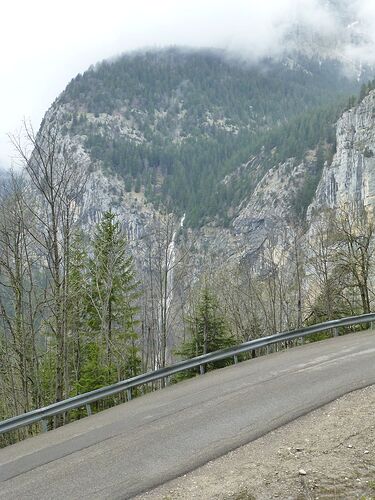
{"x": 57, "y": 182}
{"x": 20, "y": 303}
{"x": 161, "y": 280}
{"x": 354, "y": 253}
{"x": 324, "y": 285}
{"x": 238, "y": 290}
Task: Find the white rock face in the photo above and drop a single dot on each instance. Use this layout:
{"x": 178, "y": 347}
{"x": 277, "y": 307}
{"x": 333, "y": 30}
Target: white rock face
{"x": 269, "y": 211}
{"x": 273, "y": 195}
{"x": 351, "y": 176}
{"x": 103, "y": 193}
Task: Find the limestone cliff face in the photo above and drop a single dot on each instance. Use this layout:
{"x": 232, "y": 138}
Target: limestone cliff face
{"x": 269, "y": 209}
{"x": 103, "y": 192}
{"x": 273, "y": 196}
{"x": 351, "y": 176}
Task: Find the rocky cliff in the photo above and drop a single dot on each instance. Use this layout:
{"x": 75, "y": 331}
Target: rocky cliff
{"x": 351, "y": 176}
{"x": 163, "y": 145}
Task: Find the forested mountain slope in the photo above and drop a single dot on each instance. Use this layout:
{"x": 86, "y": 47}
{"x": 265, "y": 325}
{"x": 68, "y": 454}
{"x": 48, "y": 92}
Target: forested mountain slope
{"x": 177, "y": 124}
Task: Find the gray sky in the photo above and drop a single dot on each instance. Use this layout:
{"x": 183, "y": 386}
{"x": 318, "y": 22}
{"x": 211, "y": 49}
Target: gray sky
{"x": 46, "y": 43}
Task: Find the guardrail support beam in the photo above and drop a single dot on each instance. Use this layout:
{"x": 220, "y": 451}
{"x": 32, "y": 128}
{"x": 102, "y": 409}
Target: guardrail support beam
{"x": 129, "y": 394}
{"x": 44, "y": 425}
{"x": 88, "y": 409}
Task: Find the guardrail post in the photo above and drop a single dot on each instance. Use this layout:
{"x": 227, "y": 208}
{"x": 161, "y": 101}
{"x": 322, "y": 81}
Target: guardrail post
{"x": 372, "y": 325}
{"x": 88, "y": 409}
{"x": 44, "y": 424}
{"x": 129, "y": 394}
{"x": 201, "y": 369}
{"x": 235, "y": 358}
{"x": 335, "y": 332}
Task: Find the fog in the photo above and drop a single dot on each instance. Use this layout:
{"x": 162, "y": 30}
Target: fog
{"x": 45, "y": 44}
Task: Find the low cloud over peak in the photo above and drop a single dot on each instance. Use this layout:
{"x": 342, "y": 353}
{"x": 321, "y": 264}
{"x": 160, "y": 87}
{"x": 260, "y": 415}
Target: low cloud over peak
{"x": 48, "y": 44}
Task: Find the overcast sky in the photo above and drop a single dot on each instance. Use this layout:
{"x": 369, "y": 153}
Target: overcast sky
{"x": 46, "y": 43}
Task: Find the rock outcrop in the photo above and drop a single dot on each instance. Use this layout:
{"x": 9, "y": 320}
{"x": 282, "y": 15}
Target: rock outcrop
{"x": 351, "y": 175}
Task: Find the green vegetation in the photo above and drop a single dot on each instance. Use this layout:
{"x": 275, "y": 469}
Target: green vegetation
{"x": 304, "y": 196}
{"x": 209, "y": 332}
{"x": 102, "y": 311}
{"x": 193, "y": 117}
{"x": 111, "y": 292}
{"x": 71, "y": 315}
{"x": 100, "y": 306}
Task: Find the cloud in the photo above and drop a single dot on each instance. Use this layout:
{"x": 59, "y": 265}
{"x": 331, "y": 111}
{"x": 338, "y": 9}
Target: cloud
{"x": 48, "y": 43}
{"x": 361, "y": 46}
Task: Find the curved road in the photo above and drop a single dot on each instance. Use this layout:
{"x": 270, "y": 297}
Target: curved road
{"x": 136, "y": 446}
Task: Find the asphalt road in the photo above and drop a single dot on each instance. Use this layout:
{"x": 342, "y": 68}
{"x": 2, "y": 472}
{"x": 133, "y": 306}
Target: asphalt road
{"x": 136, "y": 446}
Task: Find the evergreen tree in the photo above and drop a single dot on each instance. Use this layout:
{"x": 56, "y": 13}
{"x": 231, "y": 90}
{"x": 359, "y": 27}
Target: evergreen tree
{"x": 209, "y": 331}
{"x": 77, "y": 307}
{"x": 112, "y": 306}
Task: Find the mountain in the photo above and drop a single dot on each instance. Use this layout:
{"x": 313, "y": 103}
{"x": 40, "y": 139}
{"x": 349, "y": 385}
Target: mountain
{"x": 240, "y": 188}
{"x": 340, "y": 34}
{"x": 178, "y": 126}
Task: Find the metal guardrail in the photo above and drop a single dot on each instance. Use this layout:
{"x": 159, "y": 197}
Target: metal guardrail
{"x": 84, "y": 400}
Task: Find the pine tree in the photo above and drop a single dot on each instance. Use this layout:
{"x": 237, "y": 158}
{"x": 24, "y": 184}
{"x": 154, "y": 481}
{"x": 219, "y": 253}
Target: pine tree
{"x": 208, "y": 329}
{"x": 77, "y": 308}
{"x": 112, "y": 306}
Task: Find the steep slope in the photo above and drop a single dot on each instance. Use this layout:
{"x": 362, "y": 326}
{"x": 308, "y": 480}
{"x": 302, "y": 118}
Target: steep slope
{"x": 177, "y": 124}
{"x": 351, "y": 175}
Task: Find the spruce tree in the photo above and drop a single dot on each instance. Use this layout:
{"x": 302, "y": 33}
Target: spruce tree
{"x": 112, "y": 308}
{"x": 77, "y": 309}
{"x": 208, "y": 330}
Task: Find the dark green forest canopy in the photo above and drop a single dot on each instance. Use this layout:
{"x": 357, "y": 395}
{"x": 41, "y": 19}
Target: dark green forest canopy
{"x": 201, "y": 115}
